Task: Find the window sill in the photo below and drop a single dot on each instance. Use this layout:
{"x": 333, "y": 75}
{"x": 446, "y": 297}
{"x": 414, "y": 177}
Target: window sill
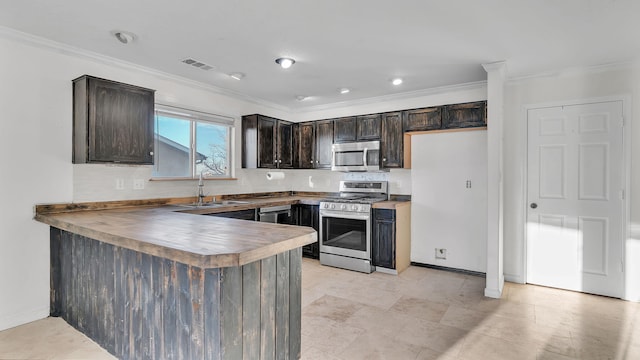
{"x": 189, "y": 179}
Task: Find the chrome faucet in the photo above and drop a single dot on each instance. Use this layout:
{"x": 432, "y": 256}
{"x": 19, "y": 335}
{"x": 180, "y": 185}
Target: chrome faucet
{"x": 201, "y": 194}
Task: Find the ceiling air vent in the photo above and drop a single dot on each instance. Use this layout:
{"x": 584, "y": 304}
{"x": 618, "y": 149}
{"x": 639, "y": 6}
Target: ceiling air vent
{"x": 198, "y": 64}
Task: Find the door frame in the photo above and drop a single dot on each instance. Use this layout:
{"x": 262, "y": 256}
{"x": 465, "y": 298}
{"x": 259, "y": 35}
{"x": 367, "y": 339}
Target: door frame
{"x": 626, "y": 168}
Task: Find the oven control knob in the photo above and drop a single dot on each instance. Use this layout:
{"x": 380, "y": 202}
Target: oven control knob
{"x": 354, "y": 207}
{"x": 343, "y": 207}
{"x": 333, "y": 206}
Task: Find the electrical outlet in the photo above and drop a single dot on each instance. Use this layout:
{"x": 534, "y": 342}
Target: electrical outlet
{"x": 138, "y": 184}
{"x": 119, "y": 184}
{"x": 441, "y": 254}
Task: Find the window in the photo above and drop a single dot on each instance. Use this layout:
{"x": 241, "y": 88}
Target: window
{"x": 189, "y": 143}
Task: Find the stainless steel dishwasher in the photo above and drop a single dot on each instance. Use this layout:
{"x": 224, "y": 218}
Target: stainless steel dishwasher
{"x": 276, "y": 214}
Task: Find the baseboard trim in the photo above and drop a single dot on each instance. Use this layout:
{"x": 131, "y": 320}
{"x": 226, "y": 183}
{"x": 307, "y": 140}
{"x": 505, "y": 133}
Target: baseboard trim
{"x": 24, "y": 317}
{"x": 386, "y": 271}
{"x": 445, "y": 268}
{"x": 493, "y": 293}
{"x": 519, "y": 279}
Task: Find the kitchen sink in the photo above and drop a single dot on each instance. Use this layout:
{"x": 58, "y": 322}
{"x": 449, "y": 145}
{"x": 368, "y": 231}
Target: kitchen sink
{"x": 214, "y": 204}
{"x": 230, "y": 202}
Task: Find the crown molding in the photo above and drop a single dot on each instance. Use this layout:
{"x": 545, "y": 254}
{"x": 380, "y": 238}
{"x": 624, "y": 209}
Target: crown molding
{"x": 576, "y": 70}
{"x": 43, "y": 43}
{"x": 392, "y": 97}
{"x": 500, "y": 66}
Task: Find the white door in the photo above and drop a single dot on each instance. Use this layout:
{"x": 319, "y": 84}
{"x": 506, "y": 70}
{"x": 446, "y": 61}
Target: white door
{"x": 575, "y": 206}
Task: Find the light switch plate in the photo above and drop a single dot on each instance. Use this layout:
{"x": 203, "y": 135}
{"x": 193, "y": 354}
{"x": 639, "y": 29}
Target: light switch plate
{"x": 119, "y": 184}
{"x": 138, "y": 184}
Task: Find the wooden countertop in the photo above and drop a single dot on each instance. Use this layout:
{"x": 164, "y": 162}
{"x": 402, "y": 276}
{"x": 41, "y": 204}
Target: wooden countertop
{"x": 391, "y": 205}
{"x": 177, "y": 233}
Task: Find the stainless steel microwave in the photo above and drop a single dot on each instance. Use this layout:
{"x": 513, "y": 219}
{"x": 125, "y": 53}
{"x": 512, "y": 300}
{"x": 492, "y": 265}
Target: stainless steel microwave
{"x": 356, "y": 156}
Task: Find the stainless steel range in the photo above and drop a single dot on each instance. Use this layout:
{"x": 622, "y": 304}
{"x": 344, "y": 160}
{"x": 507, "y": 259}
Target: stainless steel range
{"x": 345, "y": 225}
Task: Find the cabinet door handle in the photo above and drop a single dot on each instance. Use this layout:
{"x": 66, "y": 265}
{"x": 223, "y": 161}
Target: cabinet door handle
{"x": 151, "y": 153}
{"x": 384, "y": 159}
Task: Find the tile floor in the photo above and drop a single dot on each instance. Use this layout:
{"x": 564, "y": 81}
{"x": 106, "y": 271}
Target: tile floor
{"x": 420, "y": 314}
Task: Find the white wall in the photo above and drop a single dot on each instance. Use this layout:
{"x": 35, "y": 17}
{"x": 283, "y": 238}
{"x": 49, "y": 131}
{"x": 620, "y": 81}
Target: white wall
{"x": 613, "y": 81}
{"x": 445, "y": 213}
{"x": 35, "y": 148}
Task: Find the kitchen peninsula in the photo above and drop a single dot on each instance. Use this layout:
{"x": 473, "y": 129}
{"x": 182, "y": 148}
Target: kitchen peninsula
{"x": 148, "y": 280}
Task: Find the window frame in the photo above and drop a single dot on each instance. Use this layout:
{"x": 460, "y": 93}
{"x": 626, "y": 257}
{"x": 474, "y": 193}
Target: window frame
{"x": 194, "y": 117}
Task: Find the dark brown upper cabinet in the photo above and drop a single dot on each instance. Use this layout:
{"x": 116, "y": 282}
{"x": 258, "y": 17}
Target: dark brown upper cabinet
{"x": 305, "y": 145}
{"x": 423, "y": 119}
{"x": 274, "y": 143}
{"x": 324, "y": 141}
{"x": 465, "y": 115}
{"x": 391, "y": 144}
{"x": 266, "y": 142}
{"x": 112, "y": 122}
{"x": 344, "y": 129}
{"x": 368, "y": 127}
{"x": 284, "y": 145}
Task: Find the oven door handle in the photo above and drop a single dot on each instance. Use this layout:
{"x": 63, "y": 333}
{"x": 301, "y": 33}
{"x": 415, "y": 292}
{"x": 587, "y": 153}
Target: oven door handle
{"x": 364, "y": 157}
{"x": 341, "y": 215}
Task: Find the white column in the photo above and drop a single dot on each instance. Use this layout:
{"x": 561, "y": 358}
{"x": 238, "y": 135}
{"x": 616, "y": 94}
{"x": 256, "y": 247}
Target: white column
{"x": 496, "y": 74}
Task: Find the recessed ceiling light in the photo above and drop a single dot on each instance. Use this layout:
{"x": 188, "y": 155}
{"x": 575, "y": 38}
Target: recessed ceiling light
{"x": 344, "y": 91}
{"x": 396, "y": 81}
{"x": 124, "y": 36}
{"x": 285, "y": 63}
{"x": 237, "y": 75}
{"x": 301, "y": 97}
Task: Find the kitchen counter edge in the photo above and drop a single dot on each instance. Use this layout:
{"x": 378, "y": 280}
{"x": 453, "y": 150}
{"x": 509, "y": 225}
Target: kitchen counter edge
{"x": 61, "y": 216}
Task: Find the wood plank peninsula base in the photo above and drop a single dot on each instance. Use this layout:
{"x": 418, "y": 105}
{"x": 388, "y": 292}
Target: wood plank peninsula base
{"x": 142, "y": 306}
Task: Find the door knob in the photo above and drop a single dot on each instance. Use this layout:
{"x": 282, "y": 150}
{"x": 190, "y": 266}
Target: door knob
{"x": 534, "y": 205}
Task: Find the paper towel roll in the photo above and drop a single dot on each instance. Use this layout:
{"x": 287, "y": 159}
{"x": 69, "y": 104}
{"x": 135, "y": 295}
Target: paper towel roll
{"x": 275, "y": 175}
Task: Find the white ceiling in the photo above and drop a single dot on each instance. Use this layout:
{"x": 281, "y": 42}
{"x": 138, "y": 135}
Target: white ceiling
{"x": 359, "y": 44}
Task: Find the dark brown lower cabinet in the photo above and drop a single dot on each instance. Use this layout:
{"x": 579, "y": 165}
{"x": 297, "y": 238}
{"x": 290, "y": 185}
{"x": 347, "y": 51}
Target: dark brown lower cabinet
{"x": 391, "y": 238}
{"x": 308, "y": 216}
{"x": 383, "y": 242}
